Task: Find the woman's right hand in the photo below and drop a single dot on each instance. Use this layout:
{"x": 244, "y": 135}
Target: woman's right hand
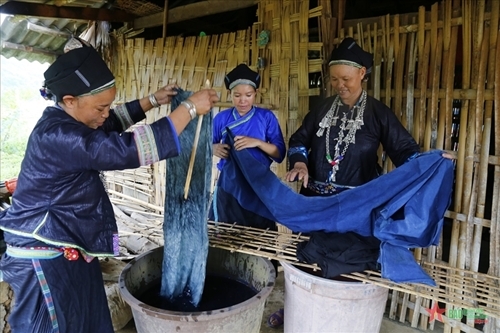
{"x": 204, "y": 100}
{"x": 299, "y": 172}
{"x": 221, "y": 150}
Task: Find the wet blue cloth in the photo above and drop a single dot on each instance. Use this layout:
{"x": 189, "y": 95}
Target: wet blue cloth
{"x": 185, "y": 227}
{"x": 403, "y": 209}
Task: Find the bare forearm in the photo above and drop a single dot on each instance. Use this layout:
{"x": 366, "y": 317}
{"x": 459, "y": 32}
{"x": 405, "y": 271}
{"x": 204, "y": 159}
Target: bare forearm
{"x": 270, "y": 149}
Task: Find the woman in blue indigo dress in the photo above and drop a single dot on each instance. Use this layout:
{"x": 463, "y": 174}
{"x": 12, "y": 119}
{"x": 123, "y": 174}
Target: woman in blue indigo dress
{"x": 256, "y": 129}
{"x": 61, "y": 217}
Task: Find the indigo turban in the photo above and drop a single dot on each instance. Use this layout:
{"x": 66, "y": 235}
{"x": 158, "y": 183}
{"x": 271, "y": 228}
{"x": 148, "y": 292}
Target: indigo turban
{"x": 78, "y": 72}
{"x": 242, "y": 74}
{"x": 350, "y": 53}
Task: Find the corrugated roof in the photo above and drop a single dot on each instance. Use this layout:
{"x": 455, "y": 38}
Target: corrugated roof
{"x": 36, "y": 39}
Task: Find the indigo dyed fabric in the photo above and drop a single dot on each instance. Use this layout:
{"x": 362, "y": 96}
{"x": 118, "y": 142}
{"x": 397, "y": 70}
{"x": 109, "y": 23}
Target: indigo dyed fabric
{"x": 185, "y": 223}
{"x": 338, "y": 253}
{"x": 403, "y": 209}
{"x": 360, "y": 163}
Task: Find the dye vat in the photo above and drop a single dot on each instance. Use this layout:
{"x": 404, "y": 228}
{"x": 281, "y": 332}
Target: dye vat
{"x": 237, "y": 287}
{"x": 316, "y": 304}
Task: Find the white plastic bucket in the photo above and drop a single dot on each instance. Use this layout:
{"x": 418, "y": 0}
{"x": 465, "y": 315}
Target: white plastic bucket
{"x": 315, "y": 304}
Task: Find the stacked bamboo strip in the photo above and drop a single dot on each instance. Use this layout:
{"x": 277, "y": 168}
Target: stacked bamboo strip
{"x": 481, "y": 289}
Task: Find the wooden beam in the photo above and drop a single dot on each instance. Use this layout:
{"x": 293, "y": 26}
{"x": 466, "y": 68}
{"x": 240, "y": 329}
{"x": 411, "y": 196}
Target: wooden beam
{"x": 76, "y": 13}
{"x": 194, "y": 10}
{"x": 29, "y": 49}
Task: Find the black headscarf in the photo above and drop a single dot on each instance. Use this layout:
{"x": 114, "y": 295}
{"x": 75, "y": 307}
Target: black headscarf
{"x": 350, "y": 53}
{"x": 242, "y": 74}
{"x": 78, "y": 72}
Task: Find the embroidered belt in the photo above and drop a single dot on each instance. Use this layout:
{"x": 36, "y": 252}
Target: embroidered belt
{"x": 44, "y": 252}
{"x": 326, "y": 188}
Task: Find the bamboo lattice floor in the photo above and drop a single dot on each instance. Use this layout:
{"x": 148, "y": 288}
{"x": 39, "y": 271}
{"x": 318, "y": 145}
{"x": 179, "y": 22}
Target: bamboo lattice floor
{"x": 456, "y": 287}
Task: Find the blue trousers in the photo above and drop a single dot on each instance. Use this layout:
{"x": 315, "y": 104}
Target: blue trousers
{"x": 56, "y": 295}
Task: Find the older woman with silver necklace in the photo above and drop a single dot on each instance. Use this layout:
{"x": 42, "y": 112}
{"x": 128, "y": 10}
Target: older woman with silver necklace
{"x": 336, "y": 148}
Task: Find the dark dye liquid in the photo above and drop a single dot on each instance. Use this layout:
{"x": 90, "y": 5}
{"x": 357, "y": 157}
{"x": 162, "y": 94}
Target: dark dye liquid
{"x": 219, "y": 292}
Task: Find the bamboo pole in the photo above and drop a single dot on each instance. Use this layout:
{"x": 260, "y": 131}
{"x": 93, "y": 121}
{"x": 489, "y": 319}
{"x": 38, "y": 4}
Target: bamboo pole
{"x": 165, "y": 19}
{"x": 410, "y": 103}
{"x": 193, "y": 151}
{"x": 472, "y": 131}
{"x": 495, "y": 215}
{"x": 483, "y": 150}
{"x": 495, "y": 212}
{"x": 399, "y": 65}
{"x": 435, "y": 65}
{"x": 466, "y": 55}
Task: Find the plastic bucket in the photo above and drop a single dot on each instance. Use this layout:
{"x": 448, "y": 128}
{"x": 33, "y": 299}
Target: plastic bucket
{"x": 315, "y": 304}
{"x": 255, "y": 271}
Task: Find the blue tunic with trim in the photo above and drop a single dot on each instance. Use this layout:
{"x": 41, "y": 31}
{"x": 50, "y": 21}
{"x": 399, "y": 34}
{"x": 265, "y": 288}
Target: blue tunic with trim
{"x": 60, "y": 198}
{"x": 257, "y": 123}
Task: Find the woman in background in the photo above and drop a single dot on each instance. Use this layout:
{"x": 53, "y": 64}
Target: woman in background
{"x": 336, "y": 148}
{"x": 255, "y": 129}
{"x": 61, "y": 217}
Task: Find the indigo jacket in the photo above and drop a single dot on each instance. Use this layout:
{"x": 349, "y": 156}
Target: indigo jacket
{"x": 60, "y": 198}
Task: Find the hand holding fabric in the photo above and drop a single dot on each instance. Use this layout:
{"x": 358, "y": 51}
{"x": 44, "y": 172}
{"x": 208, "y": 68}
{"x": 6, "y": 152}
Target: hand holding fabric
{"x": 164, "y": 94}
{"x": 299, "y": 172}
{"x": 242, "y": 142}
{"x": 204, "y": 100}
{"x": 448, "y": 156}
{"x": 221, "y": 150}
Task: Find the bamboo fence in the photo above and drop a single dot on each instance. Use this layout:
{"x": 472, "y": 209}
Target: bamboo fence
{"x": 438, "y": 70}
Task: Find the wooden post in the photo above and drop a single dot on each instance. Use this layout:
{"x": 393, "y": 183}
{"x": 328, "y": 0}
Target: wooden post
{"x": 165, "y": 19}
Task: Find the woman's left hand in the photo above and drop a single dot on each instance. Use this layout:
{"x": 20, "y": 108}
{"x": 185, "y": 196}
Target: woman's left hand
{"x": 448, "y": 156}
{"x": 164, "y": 95}
{"x": 242, "y": 142}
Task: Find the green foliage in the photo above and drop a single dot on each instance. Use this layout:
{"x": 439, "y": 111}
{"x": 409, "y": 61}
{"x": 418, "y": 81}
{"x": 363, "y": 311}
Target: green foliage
{"x": 20, "y": 107}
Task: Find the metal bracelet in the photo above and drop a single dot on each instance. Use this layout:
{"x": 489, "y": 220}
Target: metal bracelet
{"x": 153, "y": 101}
{"x": 191, "y": 108}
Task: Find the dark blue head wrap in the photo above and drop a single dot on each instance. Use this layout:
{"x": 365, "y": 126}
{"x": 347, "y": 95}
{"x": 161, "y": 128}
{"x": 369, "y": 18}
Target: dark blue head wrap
{"x": 350, "y": 53}
{"x": 242, "y": 74}
{"x": 78, "y": 72}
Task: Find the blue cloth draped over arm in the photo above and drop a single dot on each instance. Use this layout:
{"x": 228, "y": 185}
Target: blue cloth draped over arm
{"x": 404, "y": 208}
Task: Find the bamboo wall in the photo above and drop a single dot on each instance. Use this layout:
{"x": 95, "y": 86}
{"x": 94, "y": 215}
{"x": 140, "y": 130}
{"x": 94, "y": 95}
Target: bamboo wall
{"x": 438, "y": 70}
{"x": 142, "y": 66}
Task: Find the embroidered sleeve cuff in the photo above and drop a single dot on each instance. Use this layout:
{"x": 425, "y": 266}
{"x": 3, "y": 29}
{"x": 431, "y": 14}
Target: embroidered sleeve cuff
{"x": 129, "y": 113}
{"x": 297, "y": 154}
{"x": 167, "y": 140}
{"x": 146, "y": 145}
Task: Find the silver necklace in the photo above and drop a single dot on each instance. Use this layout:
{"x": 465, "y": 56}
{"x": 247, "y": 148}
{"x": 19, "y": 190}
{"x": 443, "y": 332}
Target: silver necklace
{"x": 347, "y": 132}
